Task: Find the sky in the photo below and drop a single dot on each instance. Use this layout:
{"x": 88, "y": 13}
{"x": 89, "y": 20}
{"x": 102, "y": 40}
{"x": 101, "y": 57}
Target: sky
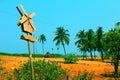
{"x": 74, "y": 15}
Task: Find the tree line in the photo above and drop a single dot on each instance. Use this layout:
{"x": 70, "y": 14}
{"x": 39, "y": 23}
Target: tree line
{"x": 91, "y": 41}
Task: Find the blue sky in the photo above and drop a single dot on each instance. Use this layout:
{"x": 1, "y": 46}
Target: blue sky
{"x": 72, "y": 15}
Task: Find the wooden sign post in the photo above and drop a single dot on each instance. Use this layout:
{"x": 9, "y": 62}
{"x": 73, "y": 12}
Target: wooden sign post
{"x": 27, "y": 26}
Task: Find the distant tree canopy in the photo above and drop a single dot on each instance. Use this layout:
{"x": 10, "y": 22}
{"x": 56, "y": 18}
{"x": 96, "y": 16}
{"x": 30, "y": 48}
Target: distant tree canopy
{"x": 108, "y": 42}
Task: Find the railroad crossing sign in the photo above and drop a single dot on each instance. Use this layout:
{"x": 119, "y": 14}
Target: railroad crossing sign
{"x": 26, "y": 24}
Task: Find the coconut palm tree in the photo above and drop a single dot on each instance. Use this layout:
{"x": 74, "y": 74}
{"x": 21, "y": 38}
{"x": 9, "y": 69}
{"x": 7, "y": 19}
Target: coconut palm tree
{"x": 94, "y": 44}
{"x": 99, "y": 41}
{"x": 42, "y": 39}
{"x": 61, "y": 37}
{"x": 117, "y": 26}
{"x": 80, "y": 43}
{"x": 84, "y": 48}
{"x": 90, "y": 36}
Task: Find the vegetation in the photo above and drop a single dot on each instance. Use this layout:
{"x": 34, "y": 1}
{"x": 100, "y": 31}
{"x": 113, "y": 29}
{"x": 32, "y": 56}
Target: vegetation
{"x": 70, "y": 59}
{"x": 4, "y": 53}
{"x": 43, "y": 71}
{"x": 106, "y": 56}
{"x": 57, "y": 55}
{"x": 85, "y": 76}
{"x": 42, "y": 39}
{"x": 48, "y": 55}
{"x": 90, "y": 41}
{"x": 90, "y": 35}
{"x": 61, "y": 36}
{"x": 81, "y": 42}
{"x": 22, "y": 54}
{"x": 105, "y": 43}
{"x": 112, "y": 43}
{"x": 85, "y": 42}
{"x": 99, "y": 41}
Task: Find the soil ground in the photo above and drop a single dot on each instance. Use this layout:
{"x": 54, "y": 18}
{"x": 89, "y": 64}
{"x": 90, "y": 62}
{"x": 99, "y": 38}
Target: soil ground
{"x": 97, "y": 68}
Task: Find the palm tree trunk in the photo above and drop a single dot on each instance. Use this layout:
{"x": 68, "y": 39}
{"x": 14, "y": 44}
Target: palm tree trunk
{"x": 43, "y": 47}
{"x": 91, "y": 55}
{"x": 64, "y": 49}
{"x": 102, "y": 56}
{"x": 116, "y": 62}
{"x": 94, "y": 55}
{"x": 83, "y": 55}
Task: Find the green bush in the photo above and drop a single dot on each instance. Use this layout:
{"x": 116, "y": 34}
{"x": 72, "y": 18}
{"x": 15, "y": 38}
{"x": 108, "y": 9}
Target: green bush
{"x": 85, "y": 76}
{"x": 27, "y": 55}
{"x": 106, "y": 55}
{"x": 48, "y": 55}
{"x": 9, "y": 77}
{"x": 71, "y": 58}
{"x": 23, "y": 54}
{"x": 38, "y": 55}
{"x": 43, "y": 71}
{"x": 4, "y": 53}
{"x": 57, "y": 55}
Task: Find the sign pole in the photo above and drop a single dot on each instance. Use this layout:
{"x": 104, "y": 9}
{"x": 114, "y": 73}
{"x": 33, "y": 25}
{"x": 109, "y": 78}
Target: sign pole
{"x": 27, "y": 26}
{"x": 30, "y": 60}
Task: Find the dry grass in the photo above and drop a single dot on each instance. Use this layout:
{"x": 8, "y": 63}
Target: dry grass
{"x": 9, "y": 63}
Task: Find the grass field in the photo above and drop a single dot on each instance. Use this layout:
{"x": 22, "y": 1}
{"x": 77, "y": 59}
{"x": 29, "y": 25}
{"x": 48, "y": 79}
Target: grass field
{"x": 97, "y": 68}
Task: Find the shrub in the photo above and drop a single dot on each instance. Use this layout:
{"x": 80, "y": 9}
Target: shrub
{"x": 43, "y": 71}
{"x": 106, "y": 56}
{"x": 38, "y": 55}
{"x": 85, "y": 76}
{"x": 57, "y": 55}
{"x": 9, "y": 77}
{"x": 71, "y": 58}
{"x": 4, "y": 53}
{"x": 47, "y": 55}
